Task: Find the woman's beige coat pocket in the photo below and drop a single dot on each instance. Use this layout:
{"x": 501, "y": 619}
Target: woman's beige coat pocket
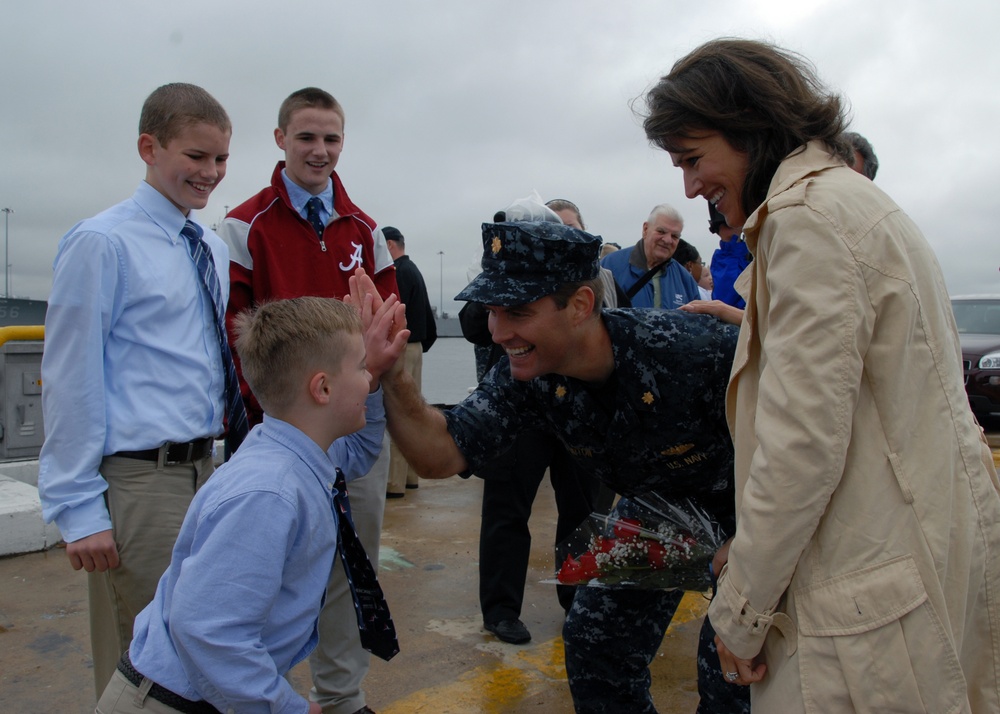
{"x": 870, "y": 631}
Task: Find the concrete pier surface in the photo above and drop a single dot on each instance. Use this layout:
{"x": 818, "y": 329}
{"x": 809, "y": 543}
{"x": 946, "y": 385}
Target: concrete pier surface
{"x": 429, "y": 571}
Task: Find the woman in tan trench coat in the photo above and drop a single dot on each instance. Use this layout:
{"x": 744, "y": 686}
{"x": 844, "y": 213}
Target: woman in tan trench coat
{"x": 865, "y": 571}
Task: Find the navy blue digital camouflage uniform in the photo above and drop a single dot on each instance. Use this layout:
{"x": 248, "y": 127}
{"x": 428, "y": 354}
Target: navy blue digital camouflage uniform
{"x": 657, "y": 425}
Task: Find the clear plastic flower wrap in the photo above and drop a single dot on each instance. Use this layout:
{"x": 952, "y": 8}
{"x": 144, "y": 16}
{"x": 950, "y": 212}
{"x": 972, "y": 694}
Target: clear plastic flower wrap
{"x": 647, "y": 542}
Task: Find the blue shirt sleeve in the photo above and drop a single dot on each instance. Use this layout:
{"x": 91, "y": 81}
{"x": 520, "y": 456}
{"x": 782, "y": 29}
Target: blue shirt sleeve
{"x": 731, "y": 259}
{"x": 85, "y": 291}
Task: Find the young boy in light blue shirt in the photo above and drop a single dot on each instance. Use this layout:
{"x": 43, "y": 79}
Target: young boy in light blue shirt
{"x": 238, "y": 606}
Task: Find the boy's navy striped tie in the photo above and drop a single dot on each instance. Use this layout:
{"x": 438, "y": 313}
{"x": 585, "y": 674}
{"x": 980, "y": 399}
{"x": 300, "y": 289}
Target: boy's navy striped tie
{"x": 236, "y": 415}
{"x": 378, "y": 634}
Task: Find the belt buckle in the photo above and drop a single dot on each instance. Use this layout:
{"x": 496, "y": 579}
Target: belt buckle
{"x": 166, "y": 460}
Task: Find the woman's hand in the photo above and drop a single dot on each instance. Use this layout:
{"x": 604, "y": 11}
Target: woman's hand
{"x": 717, "y": 308}
{"x": 746, "y": 671}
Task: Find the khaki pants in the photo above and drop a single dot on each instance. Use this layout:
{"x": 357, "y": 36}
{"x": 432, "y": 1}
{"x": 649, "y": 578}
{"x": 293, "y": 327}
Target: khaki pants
{"x": 147, "y": 506}
{"x": 339, "y": 663}
{"x": 400, "y": 473}
{"x": 123, "y": 697}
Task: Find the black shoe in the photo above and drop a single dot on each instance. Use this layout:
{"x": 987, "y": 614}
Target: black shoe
{"x": 364, "y": 710}
{"x": 391, "y": 494}
{"x": 413, "y": 485}
{"x": 512, "y": 631}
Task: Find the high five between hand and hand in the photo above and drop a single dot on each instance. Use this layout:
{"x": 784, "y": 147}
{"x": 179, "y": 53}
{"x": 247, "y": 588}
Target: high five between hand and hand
{"x": 384, "y": 323}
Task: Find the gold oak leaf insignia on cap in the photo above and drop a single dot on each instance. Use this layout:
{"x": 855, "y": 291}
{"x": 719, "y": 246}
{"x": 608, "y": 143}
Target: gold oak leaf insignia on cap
{"x": 496, "y": 245}
{"x": 677, "y": 450}
{"x": 560, "y": 391}
{"x": 647, "y": 397}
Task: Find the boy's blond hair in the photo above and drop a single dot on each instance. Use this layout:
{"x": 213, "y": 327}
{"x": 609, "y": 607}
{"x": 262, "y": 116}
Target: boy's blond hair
{"x": 304, "y": 99}
{"x": 173, "y": 107}
{"x": 280, "y": 342}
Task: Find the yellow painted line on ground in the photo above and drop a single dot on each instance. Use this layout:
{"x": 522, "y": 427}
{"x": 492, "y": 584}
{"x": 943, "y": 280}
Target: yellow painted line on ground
{"x": 500, "y": 688}
{"x": 693, "y": 607}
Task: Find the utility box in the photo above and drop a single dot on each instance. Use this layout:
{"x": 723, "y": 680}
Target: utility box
{"x": 21, "y": 428}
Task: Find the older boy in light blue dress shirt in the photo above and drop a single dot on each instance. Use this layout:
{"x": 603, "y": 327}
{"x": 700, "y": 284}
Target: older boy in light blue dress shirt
{"x": 132, "y": 369}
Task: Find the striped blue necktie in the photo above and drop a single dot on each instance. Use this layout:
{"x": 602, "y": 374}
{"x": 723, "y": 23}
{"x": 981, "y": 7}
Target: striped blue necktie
{"x": 236, "y": 414}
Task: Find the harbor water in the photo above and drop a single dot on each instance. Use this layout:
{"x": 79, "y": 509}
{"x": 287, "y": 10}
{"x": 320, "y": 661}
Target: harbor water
{"x": 449, "y": 371}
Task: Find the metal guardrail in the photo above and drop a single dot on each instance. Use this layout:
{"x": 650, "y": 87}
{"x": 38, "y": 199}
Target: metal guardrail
{"x": 21, "y": 332}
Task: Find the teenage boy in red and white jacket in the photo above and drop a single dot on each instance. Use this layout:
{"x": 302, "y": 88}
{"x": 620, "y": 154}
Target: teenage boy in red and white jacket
{"x": 303, "y": 236}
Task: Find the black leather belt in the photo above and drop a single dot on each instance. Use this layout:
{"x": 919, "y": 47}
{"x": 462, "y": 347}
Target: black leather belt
{"x": 173, "y": 452}
{"x": 162, "y": 695}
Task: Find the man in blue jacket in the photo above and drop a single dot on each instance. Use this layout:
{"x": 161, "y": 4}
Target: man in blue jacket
{"x": 647, "y": 273}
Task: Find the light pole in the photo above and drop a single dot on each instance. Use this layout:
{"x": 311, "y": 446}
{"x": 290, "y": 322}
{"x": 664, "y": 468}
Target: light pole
{"x": 441, "y": 273}
{"x": 6, "y": 243}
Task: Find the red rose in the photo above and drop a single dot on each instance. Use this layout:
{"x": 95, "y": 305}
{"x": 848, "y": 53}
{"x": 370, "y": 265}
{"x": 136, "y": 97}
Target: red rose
{"x": 588, "y": 566}
{"x": 603, "y": 545}
{"x": 627, "y": 529}
{"x": 570, "y": 571}
{"x": 657, "y": 554}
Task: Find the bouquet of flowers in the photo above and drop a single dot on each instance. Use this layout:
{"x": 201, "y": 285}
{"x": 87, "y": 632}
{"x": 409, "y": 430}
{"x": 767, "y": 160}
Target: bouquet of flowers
{"x": 647, "y": 542}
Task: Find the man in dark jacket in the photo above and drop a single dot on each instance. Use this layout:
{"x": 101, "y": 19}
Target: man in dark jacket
{"x": 423, "y": 333}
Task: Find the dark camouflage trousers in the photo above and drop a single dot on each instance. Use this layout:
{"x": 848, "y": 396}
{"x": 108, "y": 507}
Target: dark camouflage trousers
{"x": 611, "y": 637}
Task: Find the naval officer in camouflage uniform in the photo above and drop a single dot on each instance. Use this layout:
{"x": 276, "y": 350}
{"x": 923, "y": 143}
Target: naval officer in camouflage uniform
{"x": 636, "y": 396}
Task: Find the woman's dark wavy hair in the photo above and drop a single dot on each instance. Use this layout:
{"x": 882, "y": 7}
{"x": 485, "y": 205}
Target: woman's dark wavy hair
{"x": 765, "y": 101}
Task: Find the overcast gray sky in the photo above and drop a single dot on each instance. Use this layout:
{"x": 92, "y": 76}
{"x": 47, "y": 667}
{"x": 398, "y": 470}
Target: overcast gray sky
{"x": 456, "y": 108}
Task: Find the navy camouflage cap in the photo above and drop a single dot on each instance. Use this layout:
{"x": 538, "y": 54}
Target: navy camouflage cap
{"x": 524, "y": 262}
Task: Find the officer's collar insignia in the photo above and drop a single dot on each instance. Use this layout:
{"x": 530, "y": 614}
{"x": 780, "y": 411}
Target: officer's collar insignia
{"x": 647, "y": 398}
{"x": 677, "y": 450}
{"x": 560, "y": 391}
{"x": 496, "y": 245}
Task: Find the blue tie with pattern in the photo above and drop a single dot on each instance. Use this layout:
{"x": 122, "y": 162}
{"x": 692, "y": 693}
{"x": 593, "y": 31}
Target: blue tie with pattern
{"x": 378, "y": 634}
{"x": 312, "y": 214}
{"x": 236, "y": 414}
